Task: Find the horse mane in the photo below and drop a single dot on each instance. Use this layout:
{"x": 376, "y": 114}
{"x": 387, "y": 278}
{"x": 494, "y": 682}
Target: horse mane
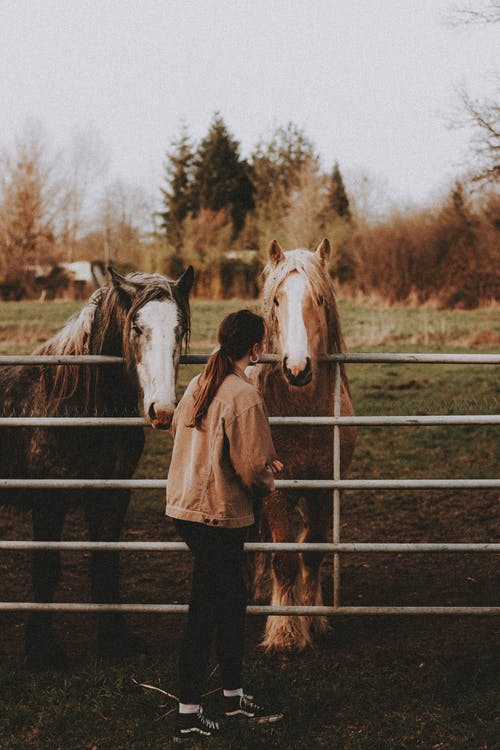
{"x": 103, "y": 326}
{"x": 60, "y": 382}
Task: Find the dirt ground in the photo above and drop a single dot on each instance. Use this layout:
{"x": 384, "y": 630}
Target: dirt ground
{"x": 371, "y": 683}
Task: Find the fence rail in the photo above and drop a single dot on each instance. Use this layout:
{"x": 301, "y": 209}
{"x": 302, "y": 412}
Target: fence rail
{"x": 200, "y": 359}
{"x": 286, "y": 484}
{"x": 353, "y": 547}
{"x": 336, "y": 484}
{"x": 254, "y": 609}
{"x": 397, "y": 421}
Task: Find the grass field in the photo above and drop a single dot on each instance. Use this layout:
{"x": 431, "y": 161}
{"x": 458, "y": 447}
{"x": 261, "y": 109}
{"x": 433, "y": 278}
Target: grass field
{"x": 24, "y": 324}
{"x": 371, "y": 683}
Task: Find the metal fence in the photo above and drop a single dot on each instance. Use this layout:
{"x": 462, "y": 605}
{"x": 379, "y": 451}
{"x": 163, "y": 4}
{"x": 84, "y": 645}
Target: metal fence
{"x": 336, "y": 484}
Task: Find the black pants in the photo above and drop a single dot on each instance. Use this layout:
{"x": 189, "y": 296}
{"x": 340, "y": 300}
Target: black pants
{"x": 217, "y": 607}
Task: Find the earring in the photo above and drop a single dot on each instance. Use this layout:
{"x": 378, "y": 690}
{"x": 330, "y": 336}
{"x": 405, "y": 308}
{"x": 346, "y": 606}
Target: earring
{"x": 253, "y": 361}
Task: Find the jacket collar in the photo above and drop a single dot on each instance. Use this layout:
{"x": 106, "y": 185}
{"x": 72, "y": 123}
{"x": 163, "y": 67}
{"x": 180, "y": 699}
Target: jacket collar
{"x": 241, "y": 374}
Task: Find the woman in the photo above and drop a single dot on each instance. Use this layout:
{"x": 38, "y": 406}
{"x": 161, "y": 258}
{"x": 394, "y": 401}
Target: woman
{"x": 223, "y": 460}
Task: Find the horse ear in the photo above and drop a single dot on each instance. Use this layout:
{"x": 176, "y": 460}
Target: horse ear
{"x": 324, "y": 251}
{"x": 276, "y": 253}
{"x": 120, "y": 282}
{"x": 185, "y": 283}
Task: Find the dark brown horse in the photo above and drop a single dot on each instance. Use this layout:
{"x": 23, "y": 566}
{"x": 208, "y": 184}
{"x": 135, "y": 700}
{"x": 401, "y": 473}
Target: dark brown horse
{"x": 302, "y": 323}
{"x": 145, "y": 319}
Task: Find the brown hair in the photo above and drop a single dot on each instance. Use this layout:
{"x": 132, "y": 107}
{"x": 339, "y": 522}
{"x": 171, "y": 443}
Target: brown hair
{"x": 237, "y": 333}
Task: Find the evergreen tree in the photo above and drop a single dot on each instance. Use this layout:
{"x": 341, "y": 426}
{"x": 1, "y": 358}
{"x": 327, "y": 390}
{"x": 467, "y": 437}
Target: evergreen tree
{"x": 338, "y": 202}
{"x": 277, "y": 164}
{"x": 337, "y": 223}
{"x": 177, "y": 197}
{"x": 220, "y": 178}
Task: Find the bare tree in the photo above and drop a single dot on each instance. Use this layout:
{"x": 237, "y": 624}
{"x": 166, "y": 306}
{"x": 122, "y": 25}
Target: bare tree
{"x": 369, "y": 197}
{"x": 124, "y": 218}
{"x": 307, "y": 205}
{"x": 474, "y": 13}
{"x": 484, "y": 118}
{"x": 84, "y": 163}
{"x": 29, "y": 195}
{"x": 481, "y": 115}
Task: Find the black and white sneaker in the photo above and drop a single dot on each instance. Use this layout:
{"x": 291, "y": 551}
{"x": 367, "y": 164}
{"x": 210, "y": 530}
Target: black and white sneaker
{"x": 244, "y": 705}
{"x": 189, "y": 726}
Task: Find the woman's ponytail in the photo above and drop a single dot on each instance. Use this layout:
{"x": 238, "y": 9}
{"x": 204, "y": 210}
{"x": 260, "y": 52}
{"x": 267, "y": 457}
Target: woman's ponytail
{"x": 218, "y": 367}
{"x": 237, "y": 333}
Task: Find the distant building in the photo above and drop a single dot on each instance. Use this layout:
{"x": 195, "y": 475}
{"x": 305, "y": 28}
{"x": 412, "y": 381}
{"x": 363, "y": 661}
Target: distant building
{"x": 75, "y": 280}
{"x": 83, "y": 277}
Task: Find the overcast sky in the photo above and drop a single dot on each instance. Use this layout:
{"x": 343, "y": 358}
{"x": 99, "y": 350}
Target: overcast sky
{"x": 371, "y": 81}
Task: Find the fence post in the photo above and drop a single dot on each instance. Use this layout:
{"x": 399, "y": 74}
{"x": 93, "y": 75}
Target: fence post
{"x": 336, "y": 491}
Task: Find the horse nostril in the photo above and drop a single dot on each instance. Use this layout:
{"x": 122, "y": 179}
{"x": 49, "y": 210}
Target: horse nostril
{"x": 296, "y": 376}
{"x": 152, "y": 412}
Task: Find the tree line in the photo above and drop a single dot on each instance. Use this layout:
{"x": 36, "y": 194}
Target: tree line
{"x": 219, "y": 211}
{"x": 215, "y": 201}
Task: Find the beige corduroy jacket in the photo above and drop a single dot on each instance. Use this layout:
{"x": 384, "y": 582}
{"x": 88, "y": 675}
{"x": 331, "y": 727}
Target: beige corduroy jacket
{"x": 215, "y": 473}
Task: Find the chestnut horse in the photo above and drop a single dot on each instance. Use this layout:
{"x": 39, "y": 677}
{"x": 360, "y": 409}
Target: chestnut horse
{"x": 302, "y": 323}
{"x": 145, "y": 319}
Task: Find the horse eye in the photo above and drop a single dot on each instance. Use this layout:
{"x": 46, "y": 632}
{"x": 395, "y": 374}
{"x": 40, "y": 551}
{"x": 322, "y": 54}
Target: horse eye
{"x": 136, "y": 329}
{"x": 276, "y": 301}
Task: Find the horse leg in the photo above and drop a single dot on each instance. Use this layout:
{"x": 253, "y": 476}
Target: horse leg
{"x": 105, "y": 515}
{"x": 282, "y": 632}
{"x": 316, "y": 523}
{"x": 259, "y": 563}
{"x": 41, "y": 648}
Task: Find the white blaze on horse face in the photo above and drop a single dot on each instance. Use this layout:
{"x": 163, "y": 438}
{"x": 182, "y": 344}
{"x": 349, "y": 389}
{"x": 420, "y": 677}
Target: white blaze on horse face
{"x": 158, "y": 357}
{"x": 295, "y": 345}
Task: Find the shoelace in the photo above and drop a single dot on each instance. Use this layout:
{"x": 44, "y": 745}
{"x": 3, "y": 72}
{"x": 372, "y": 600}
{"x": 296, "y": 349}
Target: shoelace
{"x": 208, "y": 723}
{"x": 246, "y": 702}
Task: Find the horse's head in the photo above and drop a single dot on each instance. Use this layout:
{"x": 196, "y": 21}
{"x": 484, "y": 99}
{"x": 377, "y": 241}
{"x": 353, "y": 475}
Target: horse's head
{"x": 299, "y": 306}
{"x": 157, "y": 323}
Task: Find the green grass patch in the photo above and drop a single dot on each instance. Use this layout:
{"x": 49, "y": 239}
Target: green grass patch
{"x": 25, "y": 323}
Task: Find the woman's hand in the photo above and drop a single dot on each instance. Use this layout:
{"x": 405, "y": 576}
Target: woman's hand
{"x": 275, "y": 466}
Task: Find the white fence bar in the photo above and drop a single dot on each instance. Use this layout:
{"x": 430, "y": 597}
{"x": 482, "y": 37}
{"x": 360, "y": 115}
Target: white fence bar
{"x": 336, "y": 491}
{"x": 353, "y": 358}
{"x": 402, "y": 421}
{"x": 349, "y": 547}
{"x": 289, "y": 484}
{"x": 55, "y": 359}
{"x": 409, "y": 358}
{"x": 251, "y": 610}
{"x": 73, "y": 422}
